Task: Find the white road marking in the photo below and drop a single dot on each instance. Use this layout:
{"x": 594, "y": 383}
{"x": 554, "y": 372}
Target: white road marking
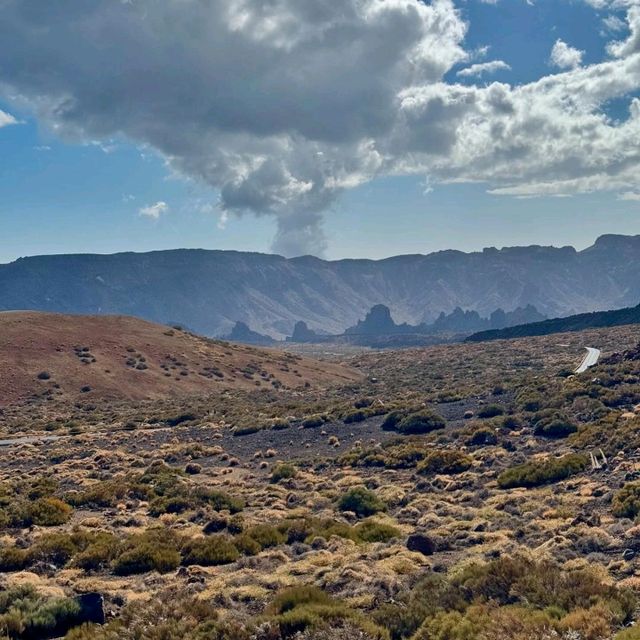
{"x": 589, "y": 360}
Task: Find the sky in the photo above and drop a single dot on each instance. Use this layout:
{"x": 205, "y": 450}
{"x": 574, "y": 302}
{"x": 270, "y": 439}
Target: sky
{"x": 339, "y": 128}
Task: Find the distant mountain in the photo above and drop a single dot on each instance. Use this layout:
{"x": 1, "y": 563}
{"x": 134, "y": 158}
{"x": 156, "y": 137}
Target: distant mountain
{"x": 578, "y": 322}
{"x": 209, "y": 291}
{"x": 242, "y": 333}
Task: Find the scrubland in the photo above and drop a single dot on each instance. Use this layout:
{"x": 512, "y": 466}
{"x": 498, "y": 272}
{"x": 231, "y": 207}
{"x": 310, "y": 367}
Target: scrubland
{"x": 456, "y": 492}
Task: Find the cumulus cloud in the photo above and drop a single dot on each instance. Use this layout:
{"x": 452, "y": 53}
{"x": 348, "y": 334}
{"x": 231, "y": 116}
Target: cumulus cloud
{"x": 154, "y": 211}
{"x": 282, "y": 105}
{"x": 482, "y": 68}
{"x": 565, "y": 57}
{"x": 6, "y": 119}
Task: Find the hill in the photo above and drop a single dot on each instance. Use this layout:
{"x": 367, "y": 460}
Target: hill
{"x": 53, "y": 355}
{"x": 208, "y": 291}
{"x": 579, "y": 322}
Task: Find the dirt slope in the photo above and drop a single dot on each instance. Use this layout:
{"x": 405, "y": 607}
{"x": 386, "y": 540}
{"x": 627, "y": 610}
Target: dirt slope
{"x": 122, "y": 357}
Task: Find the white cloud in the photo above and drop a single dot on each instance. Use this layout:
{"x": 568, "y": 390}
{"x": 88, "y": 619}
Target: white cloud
{"x": 6, "y": 119}
{"x": 482, "y": 68}
{"x": 154, "y": 211}
{"x": 565, "y": 57}
{"x": 280, "y": 106}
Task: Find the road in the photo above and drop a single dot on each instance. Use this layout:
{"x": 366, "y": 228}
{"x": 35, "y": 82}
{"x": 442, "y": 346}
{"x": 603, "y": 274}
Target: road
{"x": 589, "y": 360}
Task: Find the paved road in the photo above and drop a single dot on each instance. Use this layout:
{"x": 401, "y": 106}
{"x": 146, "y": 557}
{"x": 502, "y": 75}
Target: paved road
{"x": 589, "y": 360}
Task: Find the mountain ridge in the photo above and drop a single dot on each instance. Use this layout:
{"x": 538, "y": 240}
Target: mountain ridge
{"x": 210, "y": 290}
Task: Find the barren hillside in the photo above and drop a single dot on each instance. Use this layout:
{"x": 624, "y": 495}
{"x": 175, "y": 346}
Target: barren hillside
{"x": 126, "y": 358}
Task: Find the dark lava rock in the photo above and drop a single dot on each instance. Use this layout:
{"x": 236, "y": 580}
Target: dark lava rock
{"x": 421, "y": 543}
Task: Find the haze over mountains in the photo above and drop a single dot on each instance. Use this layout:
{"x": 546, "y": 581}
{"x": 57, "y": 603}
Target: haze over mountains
{"x": 208, "y": 291}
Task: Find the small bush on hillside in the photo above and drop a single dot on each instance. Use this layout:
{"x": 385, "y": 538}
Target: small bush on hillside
{"x": 482, "y": 437}
{"x": 420, "y": 422}
{"x": 533, "y": 474}
{"x": 283, "y": 472}
{"x": 24, "y": 613}
{"x": 626, "y": 502}
{"x": 313, "y": 421}
{"x": 154, "y": 550}
{"x": 491, "y": 411}
{"x": 371, "y": 531}
{"x": 552, "y": 424}
{"x": 444, "y": 461}
{"x": 209, "y": 551}
{"x": 361, "y": 501}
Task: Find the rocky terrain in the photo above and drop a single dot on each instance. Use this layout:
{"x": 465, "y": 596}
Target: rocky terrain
{"x": 208, "y": 291}
{"x": 464, "y": 491}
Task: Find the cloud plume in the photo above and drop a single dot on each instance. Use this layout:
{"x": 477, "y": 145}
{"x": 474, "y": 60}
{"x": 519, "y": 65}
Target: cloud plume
{"x": 282, "y": 105}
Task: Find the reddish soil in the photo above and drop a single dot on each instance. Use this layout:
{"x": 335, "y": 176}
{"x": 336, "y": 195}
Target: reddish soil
{"x": 119, "y": 357}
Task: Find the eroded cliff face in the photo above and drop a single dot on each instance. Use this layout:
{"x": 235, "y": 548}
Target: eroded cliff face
{"x": 208, "y": 291}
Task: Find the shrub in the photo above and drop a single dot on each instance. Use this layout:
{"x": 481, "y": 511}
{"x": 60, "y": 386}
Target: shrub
{"x": 481, "y": 437}
{"x": 552, "y": 424}
{"x": 13, "y": 559}
{"x": 99, "y": 495}
{"x": 306, "y": 607}
{"x": 371, "y": 531}
{"x": 420, "y": 422}
{"x": 266, "y": 535}
{"x": 444, "y": 461}
{"x": 283, "y": 472}
{"x": 359, "y": 415}
{"x": 533, "y": 474}
{"x": 626, "y": 502}
{"x": 361, "y": 501}
{"x": 313, "y": 421}
{"x": 24, "y": 613}
{"x": 209, "y": 551}
{"x": 53, "y": 548}
{"x": 392, "y": 420}
{"x": 98, "y": 555}
{"x": 490, "y": 411}
{"x": 49, "y": 512}
{"x": 154, "y": 550}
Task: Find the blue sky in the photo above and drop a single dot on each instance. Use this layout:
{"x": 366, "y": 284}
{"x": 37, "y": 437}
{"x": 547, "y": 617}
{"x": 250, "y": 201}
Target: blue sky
{"x": 78, "y": 183}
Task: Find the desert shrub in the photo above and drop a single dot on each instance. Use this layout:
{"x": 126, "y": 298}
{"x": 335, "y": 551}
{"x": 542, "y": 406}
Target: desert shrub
{"x": 444, "y": 461}
{"x": 371, "y": 531}
{"x": 172, "y": 615}
{"x": 99, "y": 554}
{"x": 306, "y": 607}
{"x": 400, "y": 453}
{"x": 552, "y": 424}
{"x": 483, "y": 436}
{"x": 420, "y": 422}
{"x": 247, "y": 430}
{"x": 209, "y": 551}
{"x": 44, "y": 512}
{"x": 283, "y": 472}
{"x": 266, "y": 535}
{"x": 13, "y": 558}
{"x": 392, "y": 420}
{"x": 99, "y": 495}
{"x": 626, "y": 502}
{"x": 359, "y": 415}
{"x": 491, "y": 411}
{"x": 361, "y": 501}
{"x": 313, "y": 421}
{"x": 154, "y": 550}
{"x": 533, "y": 474}
{"x": 24, "y": 613}
{"x": 53, "y": 548}
{"x": 246, "y": 545}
